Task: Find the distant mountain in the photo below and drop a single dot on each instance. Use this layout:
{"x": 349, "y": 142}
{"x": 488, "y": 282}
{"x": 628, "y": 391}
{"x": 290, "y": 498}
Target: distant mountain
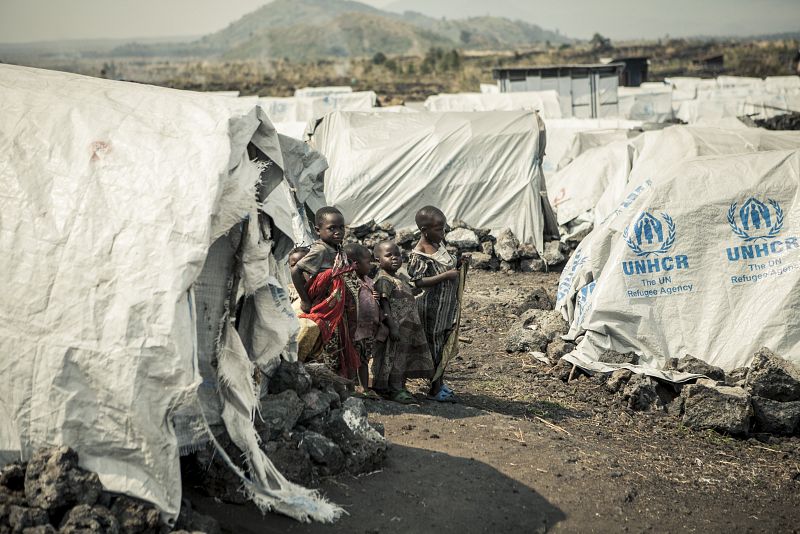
{"x": 485, "y": 32}
{"x": 314, "y": 29}
{"x": 348, "y": 35}
{"x": 518, "y": 10}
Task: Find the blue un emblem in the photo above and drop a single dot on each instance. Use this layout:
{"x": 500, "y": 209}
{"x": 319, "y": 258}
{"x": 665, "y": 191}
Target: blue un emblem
{"x": 649, "y": 235}
{"x": 756, "y": 220}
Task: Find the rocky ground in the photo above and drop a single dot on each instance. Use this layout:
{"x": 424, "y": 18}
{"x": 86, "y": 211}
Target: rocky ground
{"x": 51, "y": 493}
{"x": 527, "y": 451}
{"x": 532, "y": 446}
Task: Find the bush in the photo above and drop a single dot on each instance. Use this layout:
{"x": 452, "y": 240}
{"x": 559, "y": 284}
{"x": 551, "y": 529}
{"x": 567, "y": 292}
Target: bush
{"x": 379, "y": 58}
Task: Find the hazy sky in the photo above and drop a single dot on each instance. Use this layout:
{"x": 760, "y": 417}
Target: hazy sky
{"x": 36, "y": 20}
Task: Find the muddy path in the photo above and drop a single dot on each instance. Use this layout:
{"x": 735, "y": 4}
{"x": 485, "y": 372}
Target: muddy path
{"x": 524, "y": 451}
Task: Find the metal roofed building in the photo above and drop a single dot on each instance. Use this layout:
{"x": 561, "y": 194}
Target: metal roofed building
{"x": 584, "y": 91}
{"x": 635, "y": 71}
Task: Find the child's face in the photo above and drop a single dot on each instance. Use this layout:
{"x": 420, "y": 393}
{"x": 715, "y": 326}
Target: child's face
{"x": 389, "y": 257}
{"x": 331, "y": 230}
{"x": 434, "y": 231}
{"x": 363, "y": 265}
{"x": 295, "y": 257}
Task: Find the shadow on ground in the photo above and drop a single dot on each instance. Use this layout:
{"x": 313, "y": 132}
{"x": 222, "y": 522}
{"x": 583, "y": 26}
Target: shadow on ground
{"x": 417, "y": 491}
{"x": 476, "y": 404}
{"x": 550, "y": 410}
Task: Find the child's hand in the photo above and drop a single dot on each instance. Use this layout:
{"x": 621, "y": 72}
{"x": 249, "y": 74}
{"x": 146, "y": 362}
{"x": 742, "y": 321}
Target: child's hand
{"x": 376, "y": 296}
{"x": 305, "y": 306}
{"x": 452, "y": 274}
{"x": 394, "y": 333}
{"x": 464, "y": 260}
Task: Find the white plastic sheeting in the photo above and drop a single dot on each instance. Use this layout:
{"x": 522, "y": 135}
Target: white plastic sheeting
{"x": 304, "y": 109}
{"x": 703, "y": 260}
{"x": 651, "y": 153}
{"x": 545, "y": 102}
{"x": 650, "y": 104}
{"x": 322, "y": 91}
{"x": 576, "y": 189}
{"x": 561, "y": 135}
{"x": 113, "y": 194}
{"x": 483, "y": 168}
{"x": 295, "y": 129}
{"x": 592, "y": 185}
{"x": 696, "y": 99}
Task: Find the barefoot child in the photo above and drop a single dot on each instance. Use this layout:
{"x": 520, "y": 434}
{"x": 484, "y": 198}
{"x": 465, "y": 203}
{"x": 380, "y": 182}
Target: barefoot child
{"x": 435, "y": 270}
{"x": 368, "y": 313}
{"x": 405, "y": 354}
{"x": 328, "y": 288}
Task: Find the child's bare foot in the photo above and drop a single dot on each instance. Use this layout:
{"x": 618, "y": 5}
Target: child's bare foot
{"x": 366, "y": 393}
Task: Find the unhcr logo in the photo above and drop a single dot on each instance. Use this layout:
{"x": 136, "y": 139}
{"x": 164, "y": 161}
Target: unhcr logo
{"x": 651, "y": 236}
{"x": 756, "y": 221}
{"x": 648, "y": 235}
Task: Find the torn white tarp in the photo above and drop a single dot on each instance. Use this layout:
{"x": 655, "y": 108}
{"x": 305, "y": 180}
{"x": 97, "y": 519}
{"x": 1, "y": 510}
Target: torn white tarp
{"x": 704, "y": 261}
{"x": 483, "y": 168}
{"x": 113, "y": 194}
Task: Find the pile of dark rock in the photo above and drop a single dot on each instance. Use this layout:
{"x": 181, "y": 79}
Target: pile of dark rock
{"x": 788, "y": 121}
{"x": 489, "y": 252}
{"x": 51, "y": 493}
{"x": 310, "y": 427}
{"x": 761, "y": 399}
{"x": 539, "y": 330}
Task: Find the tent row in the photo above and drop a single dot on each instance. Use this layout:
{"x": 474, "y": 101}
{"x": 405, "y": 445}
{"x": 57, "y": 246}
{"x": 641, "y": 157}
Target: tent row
{"x": 144, "y": 236}
{"x": 690, "y": 100}
{"x": 484, "y": 167}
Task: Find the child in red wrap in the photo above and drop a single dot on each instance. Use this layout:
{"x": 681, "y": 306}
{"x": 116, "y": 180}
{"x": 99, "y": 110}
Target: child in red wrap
{"x": 328, "y": 288}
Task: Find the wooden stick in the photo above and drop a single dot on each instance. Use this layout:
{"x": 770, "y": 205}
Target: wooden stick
{"x": 551, "y": 425}
{"x": 572, "y": 373}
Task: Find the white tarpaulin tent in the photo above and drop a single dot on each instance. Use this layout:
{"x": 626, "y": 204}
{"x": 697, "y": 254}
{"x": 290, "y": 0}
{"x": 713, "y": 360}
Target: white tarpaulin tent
{"x": 483, "y": 168}
{"x": 704, "y": 260}
{"x": 652, "y": 103}
{"x": 545, "y": 102}
{"x": 561, "y": 135}
{"x": 575, "y": 190}
{"x": 114, "y": 195}
{"x": 652, "y": 152}
{"x": 696, "y": 99}
{"x": 307, "y": 108}
{"x": 295, "y": 130}
{"x": 323, "y": 91}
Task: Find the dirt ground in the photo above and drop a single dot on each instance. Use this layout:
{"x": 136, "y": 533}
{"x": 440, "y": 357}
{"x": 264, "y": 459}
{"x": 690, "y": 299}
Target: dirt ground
{"x": 525, "y": 452}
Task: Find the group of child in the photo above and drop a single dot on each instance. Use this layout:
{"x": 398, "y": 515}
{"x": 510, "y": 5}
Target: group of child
{"x": 399, "y": 321}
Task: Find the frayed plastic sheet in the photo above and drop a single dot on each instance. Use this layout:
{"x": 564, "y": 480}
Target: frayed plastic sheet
{"x": 268, "y": 489}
